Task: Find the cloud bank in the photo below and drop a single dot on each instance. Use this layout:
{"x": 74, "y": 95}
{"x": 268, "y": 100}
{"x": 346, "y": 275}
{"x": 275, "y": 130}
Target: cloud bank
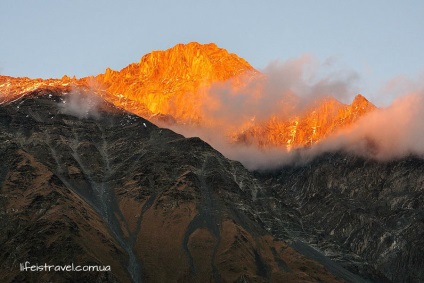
{"x": 287, "y": 89}
{"x": 387, "y": 133}
{"x": 292, "y": 87}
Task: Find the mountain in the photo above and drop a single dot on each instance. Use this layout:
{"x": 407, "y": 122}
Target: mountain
{"x": 114, "y": 189}
{"x": 172, "y": 82}
{"x": 180, "y": 86}
{"x": 83, "y": 180}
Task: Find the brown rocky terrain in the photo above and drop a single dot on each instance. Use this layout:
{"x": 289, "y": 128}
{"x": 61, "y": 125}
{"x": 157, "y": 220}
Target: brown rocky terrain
{"x": 116, "y": 190}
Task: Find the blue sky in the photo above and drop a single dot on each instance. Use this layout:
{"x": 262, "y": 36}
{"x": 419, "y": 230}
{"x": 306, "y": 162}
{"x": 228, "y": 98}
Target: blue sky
{"x": 379, "y": 40}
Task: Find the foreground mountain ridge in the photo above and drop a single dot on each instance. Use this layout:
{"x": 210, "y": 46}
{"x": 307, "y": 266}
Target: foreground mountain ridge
{"x": 116, "y": 190}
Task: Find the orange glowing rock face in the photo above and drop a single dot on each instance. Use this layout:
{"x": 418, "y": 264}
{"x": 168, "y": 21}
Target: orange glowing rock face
{"x": 173, "y": 82}
{"x": 13, "y": 88}
{"x": 308, "y": 128}
{"x": 176, "y": 85}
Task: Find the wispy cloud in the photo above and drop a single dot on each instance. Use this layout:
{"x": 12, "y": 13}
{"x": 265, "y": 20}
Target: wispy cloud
{"x": 291, "y": 87}
{"x": 81, "y": 103}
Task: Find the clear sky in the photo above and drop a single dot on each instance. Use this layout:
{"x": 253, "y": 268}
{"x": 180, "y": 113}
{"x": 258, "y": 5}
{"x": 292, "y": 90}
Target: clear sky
{"x": 378, "y": 39}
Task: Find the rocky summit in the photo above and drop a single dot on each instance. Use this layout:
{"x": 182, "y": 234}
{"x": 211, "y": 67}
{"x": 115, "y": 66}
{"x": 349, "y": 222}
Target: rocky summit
{"x": 193, "y": 85}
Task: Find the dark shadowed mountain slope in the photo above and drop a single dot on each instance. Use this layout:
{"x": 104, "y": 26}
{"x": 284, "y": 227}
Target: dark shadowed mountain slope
{"x": 357, "y": 208}
{"x": 110, "y": 188}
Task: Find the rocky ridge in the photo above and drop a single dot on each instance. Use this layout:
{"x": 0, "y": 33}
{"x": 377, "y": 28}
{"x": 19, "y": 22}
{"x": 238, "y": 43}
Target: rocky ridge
{"x": 114, "y": 189}
{"x": 181, "y": 86}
